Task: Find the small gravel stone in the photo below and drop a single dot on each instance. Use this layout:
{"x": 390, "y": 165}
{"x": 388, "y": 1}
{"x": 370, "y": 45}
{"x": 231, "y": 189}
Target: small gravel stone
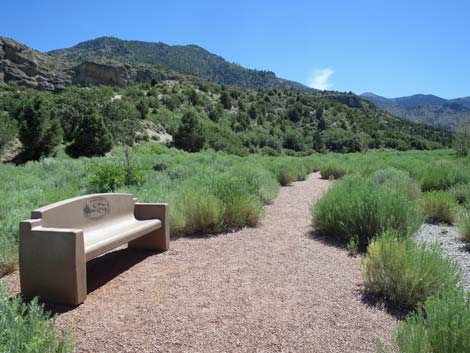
{"x": 450, "y": 245}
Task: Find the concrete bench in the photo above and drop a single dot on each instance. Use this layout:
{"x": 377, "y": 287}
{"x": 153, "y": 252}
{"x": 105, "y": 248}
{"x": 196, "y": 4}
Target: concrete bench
{"x": 60, "y": 238}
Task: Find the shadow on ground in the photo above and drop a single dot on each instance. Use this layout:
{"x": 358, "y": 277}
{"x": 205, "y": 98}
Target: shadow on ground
{"x": 380, "y": 303}
{"x": 103, "y": 269}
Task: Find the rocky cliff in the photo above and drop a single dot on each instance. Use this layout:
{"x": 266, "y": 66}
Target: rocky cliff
{"x": 28, "y": 67}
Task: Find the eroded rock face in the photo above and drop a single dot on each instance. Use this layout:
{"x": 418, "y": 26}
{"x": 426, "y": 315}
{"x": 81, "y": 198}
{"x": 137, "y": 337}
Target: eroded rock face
{"x": 27, "y": 67}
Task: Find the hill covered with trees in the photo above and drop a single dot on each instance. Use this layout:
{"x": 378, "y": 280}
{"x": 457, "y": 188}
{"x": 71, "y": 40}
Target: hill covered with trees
{"x": 186, "y": 59}
{"x": 198, "y": 115}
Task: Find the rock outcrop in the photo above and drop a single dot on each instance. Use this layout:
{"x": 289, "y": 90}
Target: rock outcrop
{"x": 28, "y": 67}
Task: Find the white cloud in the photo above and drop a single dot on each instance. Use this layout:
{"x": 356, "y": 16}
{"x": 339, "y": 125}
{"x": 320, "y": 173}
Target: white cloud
{"x": 320, "y": 79}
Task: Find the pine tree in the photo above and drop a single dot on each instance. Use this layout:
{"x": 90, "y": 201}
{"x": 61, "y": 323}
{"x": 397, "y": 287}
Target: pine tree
{"x": 92, "y": 137}
{"x": 190, "y": 135}
{"x": 40, "y": 129}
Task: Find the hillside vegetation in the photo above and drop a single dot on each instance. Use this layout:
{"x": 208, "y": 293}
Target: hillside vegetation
{"x": 187, "y": 59}
{"x": 201, "y": 115}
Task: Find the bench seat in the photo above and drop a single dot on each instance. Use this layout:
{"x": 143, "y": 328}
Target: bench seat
{"x": 100, "y": 240}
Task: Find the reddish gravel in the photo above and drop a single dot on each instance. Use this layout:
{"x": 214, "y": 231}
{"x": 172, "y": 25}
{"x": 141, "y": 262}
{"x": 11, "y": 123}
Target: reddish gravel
{"x": 267, "y": 289}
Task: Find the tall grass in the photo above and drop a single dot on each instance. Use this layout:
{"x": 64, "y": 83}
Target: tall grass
{"x": 461, "y": 193}
{"x": 406, "y": 273}
{"x": 439, "y": 206}
{"x": 356, "y": 208}
{"x": 333, "y": 170}
{"x": 396, "y": 180}
{"x": 24, "y": 327}
{"x": 442, "y": 325}
{"x": 463, "y": 225}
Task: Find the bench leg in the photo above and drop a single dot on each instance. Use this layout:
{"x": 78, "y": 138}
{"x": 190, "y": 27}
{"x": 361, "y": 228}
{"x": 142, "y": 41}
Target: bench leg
{"x": 158, "y": 239}
{"x": 155, "y": 240}
{"x": 53, "y": 267}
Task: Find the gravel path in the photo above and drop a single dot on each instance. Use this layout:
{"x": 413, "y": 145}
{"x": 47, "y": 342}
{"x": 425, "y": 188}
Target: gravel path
{"x": 273, "y": 288}
{"x": 450, "y": 245}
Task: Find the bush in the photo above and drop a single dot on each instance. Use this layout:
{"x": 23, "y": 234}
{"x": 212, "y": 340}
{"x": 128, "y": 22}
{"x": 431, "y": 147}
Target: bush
{"x": 397, "y": 180}
{"x": 440, "y": 176}
{"x": 463, "y": 225}
{"x": 438, "y": 206}
{"x": 40, "y": 129}
{"x": 354, "y": 207}
{"x": 107, "y": 177}
{"x": 92, "y": 137}
{"x": 404, "y": 272}
{"x": 441, "y": 326}
{"x": 24, "y": 328}
{"x": 241, "y": 207}
{"x": 461, "y": 193}
{"x": 8, "y": 130}
{"x": 196, "y": 211}
{"x": 190, "y": 135}
{"x": 332, "y": 170}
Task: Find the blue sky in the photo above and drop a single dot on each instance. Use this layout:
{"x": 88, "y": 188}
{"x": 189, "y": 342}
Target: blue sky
{"x": 392, "y": 48}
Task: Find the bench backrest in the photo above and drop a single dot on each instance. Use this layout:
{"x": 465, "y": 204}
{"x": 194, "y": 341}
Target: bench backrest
{"x": 85, "y": 211}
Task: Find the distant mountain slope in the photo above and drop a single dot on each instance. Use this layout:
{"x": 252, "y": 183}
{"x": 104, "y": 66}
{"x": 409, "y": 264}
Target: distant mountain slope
{"x": 449, "y": 114}
{"x": 187, "y": 59}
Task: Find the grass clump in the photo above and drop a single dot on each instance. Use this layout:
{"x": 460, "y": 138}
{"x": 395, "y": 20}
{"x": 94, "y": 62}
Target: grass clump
{"x": 440, "y": 326}
{"x": 405, "y": 272}
{"x": 461, "y": 193}
{"x": 333, "y": 170}
{"x": 354, "y": 207}
{"x": 438, "y": 206}
{"x": 463, "y": 226}
{"x": 24, "y": 327}
{"x": 397, "y": 180}
{"x": 441, "y": 175}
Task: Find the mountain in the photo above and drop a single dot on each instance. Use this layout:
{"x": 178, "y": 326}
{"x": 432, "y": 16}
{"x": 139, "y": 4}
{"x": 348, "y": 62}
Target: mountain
{"x": 449, "y": 114}
{"x": 186, "y": 59}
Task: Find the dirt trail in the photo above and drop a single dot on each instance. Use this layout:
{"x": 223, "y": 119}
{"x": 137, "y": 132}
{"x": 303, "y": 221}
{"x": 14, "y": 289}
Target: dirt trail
{"x": 272, "y": 288}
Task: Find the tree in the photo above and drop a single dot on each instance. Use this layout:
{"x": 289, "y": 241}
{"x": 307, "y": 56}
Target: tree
{"x": 225, "y": 100}
{"x": 40, "y": 129}
{"x": 8, "y": 129}
{"x": 92, "y": 137}
{"x": 461, "y": 143}
{"x": 143, "y": 108}
{"x": 190, "y": 135}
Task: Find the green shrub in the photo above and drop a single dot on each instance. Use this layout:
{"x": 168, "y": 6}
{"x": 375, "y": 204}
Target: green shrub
{"x": 441, "y": 175}
{"x": 441, "y": 326}
{"x": 24, "y": 328}
{"x": 463, "y": 225}
{"x": 461, "y": 193}
{"x": 8, "y": 130}
{"x": 92, "y": 137}
{"x": 107, "y": 177}
{"x": 196, "y": 212}
{"x": 332, "y": 170}
{"x": 397, "y": 180}
{"x": 40, "y": 130}
{"x": 438, "y": 206}
{"x": 404, "y": 272}
{"x": 355, "y": 207}
{"x": 241, "y": 207}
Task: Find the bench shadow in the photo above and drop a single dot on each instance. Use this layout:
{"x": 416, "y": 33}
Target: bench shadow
{"x": 102, "y": 270}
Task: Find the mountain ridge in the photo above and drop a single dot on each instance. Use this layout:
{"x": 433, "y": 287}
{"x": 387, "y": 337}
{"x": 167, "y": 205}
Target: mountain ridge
{"x": 449, "y": 114}
{"x": 187, "y": 59}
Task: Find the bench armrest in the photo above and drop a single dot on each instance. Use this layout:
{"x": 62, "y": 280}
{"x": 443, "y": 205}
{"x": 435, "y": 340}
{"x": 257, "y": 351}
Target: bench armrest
{"x": 52, "y": 262}
{"x": 146, "y": 211}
